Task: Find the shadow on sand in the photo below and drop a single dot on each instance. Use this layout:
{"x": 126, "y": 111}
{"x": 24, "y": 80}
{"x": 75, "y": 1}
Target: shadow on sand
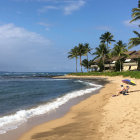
{"x": 134, "y": 91}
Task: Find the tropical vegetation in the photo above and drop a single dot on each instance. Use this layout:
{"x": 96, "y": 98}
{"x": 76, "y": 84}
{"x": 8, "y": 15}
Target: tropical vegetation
{"x": 136, "y": 13}
{"x": 104, "y": 50}
{"x": 74, "y": 54}
{"x": 101, "y": 53}
{"x": 119, "y": 50}
{"x": 107, "y": 38}
{"x": 135, "y": 41}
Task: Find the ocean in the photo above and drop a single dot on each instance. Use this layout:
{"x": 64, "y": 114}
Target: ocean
{"x": 27, "y": 95}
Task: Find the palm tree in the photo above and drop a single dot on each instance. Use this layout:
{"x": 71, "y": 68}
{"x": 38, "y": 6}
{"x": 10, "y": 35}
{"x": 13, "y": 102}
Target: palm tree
{"x": 81, "y": 52}
{"x": 136, "y": 16}
{"x": 134, "y": 41}
{"x": 101, "y": 52}
{"x": 85, "y": 63}
{"x": 87, "y": 50}
{"x": 136, "y": 13}
{"x": 119, "y": 50}
{"x": 107, "y": 37}
{"x": 74, "y": 54}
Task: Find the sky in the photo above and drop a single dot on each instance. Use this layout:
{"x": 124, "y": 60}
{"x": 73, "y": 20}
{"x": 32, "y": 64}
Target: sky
{"x": 36, "y": 35}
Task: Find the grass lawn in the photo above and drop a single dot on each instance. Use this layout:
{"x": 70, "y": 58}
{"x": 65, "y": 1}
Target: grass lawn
{"x": 133, "y": 74}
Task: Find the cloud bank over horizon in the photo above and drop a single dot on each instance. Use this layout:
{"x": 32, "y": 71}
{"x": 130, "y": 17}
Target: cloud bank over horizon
{"x": 22, "y": 49}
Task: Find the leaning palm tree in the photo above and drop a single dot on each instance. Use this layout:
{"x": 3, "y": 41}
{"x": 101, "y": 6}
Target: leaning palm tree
{"x": 101, "y": 52}
{"x": 81, "y": 52}
{"x": 134, "y": 41}
{"x": 136, "y": 13}
{"x": 74, "y": 54}
{"x": 107, "y": 38}
{"x": 119, "y": 50}
{"x": 87, "y": 50}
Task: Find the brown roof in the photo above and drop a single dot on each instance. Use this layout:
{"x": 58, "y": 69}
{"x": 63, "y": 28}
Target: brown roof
{"x": 128, "y": 53}
{"x": 98, "y": 60}
{"x": 135, "y": 55}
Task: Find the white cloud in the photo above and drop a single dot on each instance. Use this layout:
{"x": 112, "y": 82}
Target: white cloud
{"x": 46, "y": 8}
{"x": 73, "y": 7}
{"x": 104, "y": 28}
{"x": 21, "y": 48}
{"x": 67, "y": 6}
{"x": 10, "y": 31}
{"x": 55, "y": 1}
{"x": 46, "y": 25}
{"x": 133, "y": 24}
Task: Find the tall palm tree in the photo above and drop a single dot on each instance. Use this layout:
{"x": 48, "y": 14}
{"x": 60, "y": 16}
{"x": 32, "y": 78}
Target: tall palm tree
{"x": 81, "y": 52}
{"x": 87, "y": 50}
{"x": 101, "y": 52}
{"x": 135, "y": 41}
{"x": 107, "y": 38}
{"x": 119, "y": 50}
{"x": 74, "y": 54}
{"x": 136, "y": 13}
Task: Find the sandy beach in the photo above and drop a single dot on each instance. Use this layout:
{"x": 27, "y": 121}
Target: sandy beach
{"x": 99, "y": 117}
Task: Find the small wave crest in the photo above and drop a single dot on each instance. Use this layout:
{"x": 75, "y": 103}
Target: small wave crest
{"x": 12, "y": 121}
{"x": 86, "y": 83}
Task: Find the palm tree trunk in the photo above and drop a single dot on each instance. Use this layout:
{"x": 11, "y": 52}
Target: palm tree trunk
{"x": 138, "y": 62}
{"x": 81, "y": 64}
{"x": 120, "y": 66}
{"x": 87, "y": 61}
{"x": 104, "y": 64}
{"x": 76, "y": 64}
{"x": 109, "y": 62}
{"x": 104, "y": 61}
{"x": 107, "y": 45}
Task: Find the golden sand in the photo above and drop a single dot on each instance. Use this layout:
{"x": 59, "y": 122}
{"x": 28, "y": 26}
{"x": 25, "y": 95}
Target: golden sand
{"x": 100, "y": 117}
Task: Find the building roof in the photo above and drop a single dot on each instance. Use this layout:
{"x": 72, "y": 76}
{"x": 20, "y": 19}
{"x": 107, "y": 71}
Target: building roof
{"x": 98, "y": 60}
{"x": 135, "y": 55}
{"x": 129, "y": 55}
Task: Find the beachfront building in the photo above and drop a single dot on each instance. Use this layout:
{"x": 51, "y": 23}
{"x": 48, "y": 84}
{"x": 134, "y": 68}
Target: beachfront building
{"x": 132, "y": 61}
{"x": 129, "y": 62}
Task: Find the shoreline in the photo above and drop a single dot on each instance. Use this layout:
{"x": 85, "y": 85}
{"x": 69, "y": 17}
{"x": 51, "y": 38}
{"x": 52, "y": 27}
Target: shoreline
{"x": 58, "y": 113}
{"x": 99, "y": 117}
{"x": 87, "y": 113}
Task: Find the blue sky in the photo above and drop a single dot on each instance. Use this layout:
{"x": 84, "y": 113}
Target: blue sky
{"x": 36, "y": 35}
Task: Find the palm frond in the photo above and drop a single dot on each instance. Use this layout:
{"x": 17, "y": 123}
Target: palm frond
{"x": 138, "y": 34}
{"x": 134, "y": 42}
{"x": 135, "y": 19}
{"x": 135, "y": 14}
{"x": 136, "y": 10}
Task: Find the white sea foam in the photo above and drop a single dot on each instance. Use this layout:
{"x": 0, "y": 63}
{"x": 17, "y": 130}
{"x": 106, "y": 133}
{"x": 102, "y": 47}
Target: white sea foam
{"x": 87, "y": 83}
{"x": 14, "y": 120}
